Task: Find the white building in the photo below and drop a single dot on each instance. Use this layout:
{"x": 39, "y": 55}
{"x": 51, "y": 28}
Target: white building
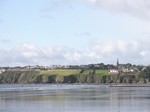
{"x": 113, "y": 71}
{"x": 2, "y": 70}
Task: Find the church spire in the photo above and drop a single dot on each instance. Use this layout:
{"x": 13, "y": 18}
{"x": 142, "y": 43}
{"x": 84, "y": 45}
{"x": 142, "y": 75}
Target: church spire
{"x": 117, "y": 61}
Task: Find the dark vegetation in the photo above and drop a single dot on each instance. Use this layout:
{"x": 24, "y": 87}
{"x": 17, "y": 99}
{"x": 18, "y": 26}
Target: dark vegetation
{"x": 36, "y": 77}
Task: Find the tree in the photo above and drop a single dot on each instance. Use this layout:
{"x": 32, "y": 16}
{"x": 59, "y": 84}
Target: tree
{"x": 91, "y": 66}
{"x": 93, "y": 71}
{"x": 82, "y": 70}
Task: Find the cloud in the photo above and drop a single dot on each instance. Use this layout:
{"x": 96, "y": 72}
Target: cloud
{"x": 28, "y": 54}
{"x": 134, "y": 52}
{"x": 136, "y": 8}
{"x": 114, "y": 48}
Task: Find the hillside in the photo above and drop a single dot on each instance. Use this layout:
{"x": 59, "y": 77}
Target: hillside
{"x": 68, "y": 76}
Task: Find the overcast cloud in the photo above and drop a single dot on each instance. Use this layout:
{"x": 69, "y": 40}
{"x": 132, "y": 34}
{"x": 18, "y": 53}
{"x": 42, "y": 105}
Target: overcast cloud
{"x": 107, "y": 52}
{"x": 136, "y": 8}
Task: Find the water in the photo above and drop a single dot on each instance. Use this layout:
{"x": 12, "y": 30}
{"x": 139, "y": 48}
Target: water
{"x": 73, "y": 98}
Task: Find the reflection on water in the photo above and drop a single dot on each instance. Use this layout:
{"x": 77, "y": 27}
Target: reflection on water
{"x": 73, "y": 98}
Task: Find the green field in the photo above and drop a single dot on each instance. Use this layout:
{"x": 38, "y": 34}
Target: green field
{"x": 70, "y": 72}
{"x": 98, "y": 72}
{"x": 60, "y": 72}
{"x": 87, "y": 71}
{"x": 102, "y": 72}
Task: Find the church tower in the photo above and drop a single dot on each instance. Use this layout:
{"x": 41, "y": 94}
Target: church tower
{"x": 117, "y": 62}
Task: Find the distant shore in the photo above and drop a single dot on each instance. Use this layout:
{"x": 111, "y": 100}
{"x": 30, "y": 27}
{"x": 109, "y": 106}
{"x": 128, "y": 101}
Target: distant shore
{"x": 104, "y": 84}
{"x": 36, "y": 77}
{"x": 130, "y": 85}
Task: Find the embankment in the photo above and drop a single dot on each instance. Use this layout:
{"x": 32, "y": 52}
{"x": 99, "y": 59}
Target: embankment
{"x": 34, "y": 77}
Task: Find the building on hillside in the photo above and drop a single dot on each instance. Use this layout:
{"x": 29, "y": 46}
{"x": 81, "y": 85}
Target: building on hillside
{"x": 120, "y": 66}
{"x": 125, "y": 67}
{"x": 84, "y": 66}
{"x": 131, "y": 70}
{"x": 125, "y": 70}
{"x": 113, "y": 71}
{"x": 2, "y": 70}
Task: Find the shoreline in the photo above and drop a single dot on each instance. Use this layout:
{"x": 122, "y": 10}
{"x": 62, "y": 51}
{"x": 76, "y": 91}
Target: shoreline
{"x": 130, "y": 85}
{"x": 104, "y": 84}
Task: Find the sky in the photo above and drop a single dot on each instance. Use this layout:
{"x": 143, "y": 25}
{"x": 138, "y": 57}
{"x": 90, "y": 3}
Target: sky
{"x": 74, "y": 32}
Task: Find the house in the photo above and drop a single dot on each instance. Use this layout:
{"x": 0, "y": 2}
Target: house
{"x": 113, "y": 71}
{"x": 131, "y": 70}
{"x": 2, "y": 70}
{"x": 125, "y": 70}
{"x": 84, "y": 66}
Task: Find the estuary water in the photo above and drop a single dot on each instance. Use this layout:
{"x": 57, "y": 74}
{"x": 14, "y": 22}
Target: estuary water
{"x": 73, "y": 98}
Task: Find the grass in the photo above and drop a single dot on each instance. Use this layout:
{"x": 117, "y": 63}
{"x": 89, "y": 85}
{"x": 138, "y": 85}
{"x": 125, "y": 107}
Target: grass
{"x": 102, "y": 72}
{"x": 98, "y": 72}
{"x": 87, "y": 71}
{"x": 60, "y": 72}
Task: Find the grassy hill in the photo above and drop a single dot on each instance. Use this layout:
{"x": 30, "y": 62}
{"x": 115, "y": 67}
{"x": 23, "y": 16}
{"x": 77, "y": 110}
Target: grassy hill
{"x": 59, "y": 72}
{"x": 98, "y": 72}
{"x": 69, "y": 76}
